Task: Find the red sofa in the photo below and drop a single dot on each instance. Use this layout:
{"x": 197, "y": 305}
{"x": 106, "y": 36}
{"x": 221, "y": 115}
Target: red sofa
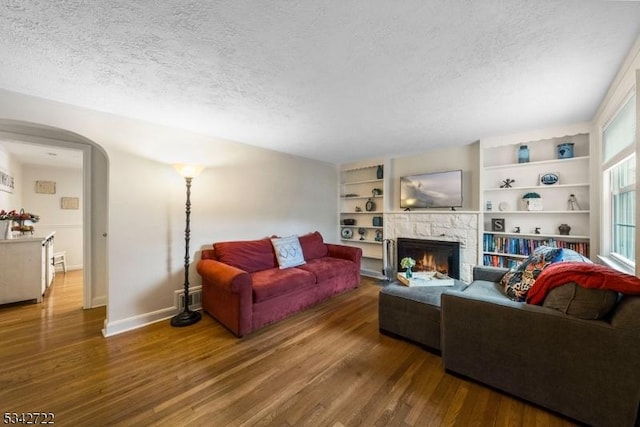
{"x": 244, "y": 288}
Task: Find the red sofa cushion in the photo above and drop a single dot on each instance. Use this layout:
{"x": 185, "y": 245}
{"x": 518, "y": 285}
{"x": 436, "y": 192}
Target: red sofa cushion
{"x": 249, "y": 255}
{"x": 313, "y": 246}
{"x": 327, "y": 268}
{"x": 275, "y": 281}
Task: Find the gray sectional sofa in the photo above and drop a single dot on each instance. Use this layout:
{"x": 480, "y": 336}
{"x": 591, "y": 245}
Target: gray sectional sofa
{"x": 588, "y": 370}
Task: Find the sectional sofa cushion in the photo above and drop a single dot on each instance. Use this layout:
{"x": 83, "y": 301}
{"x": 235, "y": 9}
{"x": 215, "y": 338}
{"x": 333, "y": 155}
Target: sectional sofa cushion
{"x": 574, "y": 300}
{"x": 274, "y": 282}
{"x": 327, "y": 268}
{"x": 626, "y": 314}
{"x": 313, "y": 246}
{"x": 249, "y": 255}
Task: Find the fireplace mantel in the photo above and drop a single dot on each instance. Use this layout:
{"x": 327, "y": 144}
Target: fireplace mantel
{"x": 455, "y": 226}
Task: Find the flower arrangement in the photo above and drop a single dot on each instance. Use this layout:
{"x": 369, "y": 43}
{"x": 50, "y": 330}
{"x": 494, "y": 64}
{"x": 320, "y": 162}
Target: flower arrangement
{"x": 18, "y": 216}
{"x": 5, "y": 216}
{"x": 407, "y": 262}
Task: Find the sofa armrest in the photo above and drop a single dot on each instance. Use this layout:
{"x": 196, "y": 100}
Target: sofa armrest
{"x": 350, "y": 253}
{"x": 223, "y": 276}
{"x": 585, "y": 369}
{"x": 488, "y": 273}
{"x": 227, "y": 295}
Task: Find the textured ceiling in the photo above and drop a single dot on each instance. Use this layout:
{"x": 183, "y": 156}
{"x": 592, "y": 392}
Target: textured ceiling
{"x": 335, "y": 80}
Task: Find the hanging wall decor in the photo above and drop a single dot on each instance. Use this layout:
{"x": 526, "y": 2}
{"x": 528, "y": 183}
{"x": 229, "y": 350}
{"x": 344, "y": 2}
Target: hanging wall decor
{"x": 46, "y": 187}
{"x": 7, "y": 182}
{"x": 70, "y": 203}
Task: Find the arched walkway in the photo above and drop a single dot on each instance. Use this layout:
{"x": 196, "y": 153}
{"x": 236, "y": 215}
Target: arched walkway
{"x": 95, "y": 198}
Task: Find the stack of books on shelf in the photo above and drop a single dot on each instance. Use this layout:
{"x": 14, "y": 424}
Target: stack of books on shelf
{"x": 507, "y": 251}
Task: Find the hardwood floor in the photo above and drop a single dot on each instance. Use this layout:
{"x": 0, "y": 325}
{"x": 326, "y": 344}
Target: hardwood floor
{"x": 327, "y": 366}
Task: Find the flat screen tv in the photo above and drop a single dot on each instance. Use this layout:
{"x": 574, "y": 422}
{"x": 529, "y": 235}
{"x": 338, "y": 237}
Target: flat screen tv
{"x": 432, "y": 190}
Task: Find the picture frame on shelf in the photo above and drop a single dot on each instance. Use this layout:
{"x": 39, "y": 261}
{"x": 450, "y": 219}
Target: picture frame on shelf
{"x": 497, "y": 224}
{"x": 549, "y": 178}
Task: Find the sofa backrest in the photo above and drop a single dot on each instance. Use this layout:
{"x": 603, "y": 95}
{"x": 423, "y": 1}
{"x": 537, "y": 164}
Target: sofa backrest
{"x": 627, "y": 314}
{"x": 313, "y": 246}
{"x": 247, "y": 255}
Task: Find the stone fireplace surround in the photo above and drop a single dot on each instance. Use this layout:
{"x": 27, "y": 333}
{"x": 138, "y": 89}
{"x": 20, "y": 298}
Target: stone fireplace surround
{"x": 438, "y": 225}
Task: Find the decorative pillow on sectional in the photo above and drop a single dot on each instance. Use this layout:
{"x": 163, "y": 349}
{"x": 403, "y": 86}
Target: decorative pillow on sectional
{"x": 573, "y": 256}
{"x": 585, "y": 303}
{"x": 313, "y": 246}
{"x": 519, "y": 279}
{"x": 288, "y": 251}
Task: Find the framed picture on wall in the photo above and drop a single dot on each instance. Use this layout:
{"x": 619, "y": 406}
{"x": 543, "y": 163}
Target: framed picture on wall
{"x": 70, "y": 202}
{"x": 7, "y": 182}
{"x": 46, "y": 187}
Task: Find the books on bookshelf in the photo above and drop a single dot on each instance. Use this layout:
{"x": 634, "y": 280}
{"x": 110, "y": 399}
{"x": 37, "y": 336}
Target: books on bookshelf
{"x": 506, "y": 251}
{"x": 525, "y": 246}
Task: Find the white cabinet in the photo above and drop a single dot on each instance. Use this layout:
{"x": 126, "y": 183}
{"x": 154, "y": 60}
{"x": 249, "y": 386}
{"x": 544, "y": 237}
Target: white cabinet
{"x": 25, "y": 268}
{"x": 511, "y": 229}
{"x": 361, "y": 214}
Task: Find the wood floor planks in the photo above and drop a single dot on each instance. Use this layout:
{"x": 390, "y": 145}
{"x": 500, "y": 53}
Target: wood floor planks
{"x": 327, "y": 366}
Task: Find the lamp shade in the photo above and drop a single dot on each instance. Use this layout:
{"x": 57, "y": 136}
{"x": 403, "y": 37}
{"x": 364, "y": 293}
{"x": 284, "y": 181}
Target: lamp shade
{"x": 188, "y": 171}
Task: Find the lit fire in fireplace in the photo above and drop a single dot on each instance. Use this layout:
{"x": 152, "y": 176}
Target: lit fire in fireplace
{"x": 428, "y": 263}
{"x": 431, "y": 255}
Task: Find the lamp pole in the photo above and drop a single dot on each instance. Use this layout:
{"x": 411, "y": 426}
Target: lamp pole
{"x": 186, "y": 317}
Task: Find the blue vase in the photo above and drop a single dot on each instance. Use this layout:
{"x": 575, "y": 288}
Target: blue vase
{"x": 565, "y": 150}
{"x": 409, "y": 273}
{"x": 380, "y": 172}
{"x": 523, "y": 154}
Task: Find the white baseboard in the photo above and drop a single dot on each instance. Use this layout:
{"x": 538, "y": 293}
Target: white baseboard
{"x": 98, "y": 302}
{"x": 135, "y": 322}
{"x": 141, "y": 320}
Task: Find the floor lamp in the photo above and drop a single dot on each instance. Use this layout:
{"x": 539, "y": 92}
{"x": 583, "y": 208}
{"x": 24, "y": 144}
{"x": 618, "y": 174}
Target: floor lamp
{"x": 187, "y": 317}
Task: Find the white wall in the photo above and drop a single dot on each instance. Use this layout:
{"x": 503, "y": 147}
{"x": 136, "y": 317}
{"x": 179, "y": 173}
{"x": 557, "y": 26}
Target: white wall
{"x": 245, "y": 193}
{"x": 440, "y": 160}
{"x": 67, "y": 223}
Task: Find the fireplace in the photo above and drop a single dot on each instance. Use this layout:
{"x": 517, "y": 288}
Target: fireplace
{"x": 431, "y": 255}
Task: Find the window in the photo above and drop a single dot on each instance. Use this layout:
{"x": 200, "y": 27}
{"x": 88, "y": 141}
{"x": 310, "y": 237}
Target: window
{"x": 623, "y": 209}
{"x": 619, "y": 185}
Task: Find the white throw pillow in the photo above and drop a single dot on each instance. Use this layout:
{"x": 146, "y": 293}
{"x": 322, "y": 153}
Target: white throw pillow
{"x": 288, "y": 251}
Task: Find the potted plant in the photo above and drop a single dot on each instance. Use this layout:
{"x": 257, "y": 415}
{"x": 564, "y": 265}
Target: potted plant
{"x": 532, "y": 202}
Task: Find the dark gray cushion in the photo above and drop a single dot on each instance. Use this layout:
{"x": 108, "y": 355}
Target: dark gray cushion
{"x": 627, "y": 314}
{"x": 486, "y": 291}
{"x": 584, "y": 303}
{"x": 424, "y": 294}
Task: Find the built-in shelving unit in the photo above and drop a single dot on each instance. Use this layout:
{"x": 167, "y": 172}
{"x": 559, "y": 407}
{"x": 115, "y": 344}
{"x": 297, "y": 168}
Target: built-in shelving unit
{"x": 362, "y": 201}
{"x": 510, "y": 230}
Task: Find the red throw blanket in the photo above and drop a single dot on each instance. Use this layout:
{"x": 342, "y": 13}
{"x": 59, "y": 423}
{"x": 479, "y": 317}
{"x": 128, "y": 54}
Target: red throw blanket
{"x": 587, "y": 275}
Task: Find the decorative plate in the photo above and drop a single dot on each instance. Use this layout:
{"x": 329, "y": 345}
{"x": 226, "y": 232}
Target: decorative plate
{"x": 550, "y": 178}
{"x": 503, "y": 206}
{"x": 347, "y": 233}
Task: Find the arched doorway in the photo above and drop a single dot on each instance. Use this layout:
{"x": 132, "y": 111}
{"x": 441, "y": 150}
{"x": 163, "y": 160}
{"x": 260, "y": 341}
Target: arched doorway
{"x": 95, "y": 198}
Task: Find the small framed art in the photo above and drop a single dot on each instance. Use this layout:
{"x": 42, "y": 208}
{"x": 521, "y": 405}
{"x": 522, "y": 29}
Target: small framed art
{"x": 497, "y": 224}
{"x": 70, "y": 203}
{"x": 46, "y": 187}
